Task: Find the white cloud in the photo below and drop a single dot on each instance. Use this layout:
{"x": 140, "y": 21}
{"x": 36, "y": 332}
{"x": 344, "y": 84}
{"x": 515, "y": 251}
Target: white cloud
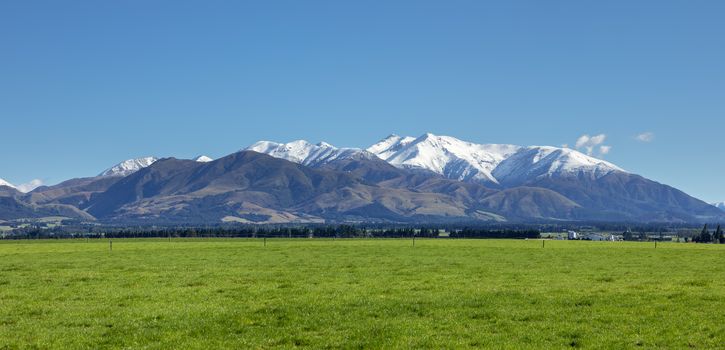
{"x": 645, "y": 137}
{"x": 29, "y": 186}
{"x": 589, "y": 143}
{"x": 582, "y": 141}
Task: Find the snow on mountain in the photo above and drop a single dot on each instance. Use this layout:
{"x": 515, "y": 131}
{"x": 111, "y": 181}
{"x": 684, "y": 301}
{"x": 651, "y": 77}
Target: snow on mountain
{"x": 5, "y": 183}
{"x": 305, "y": 153}
{"x": 491, "y": 163}
{"x": 388, "y": 146}
{"x": 541, "y": 161}
{"x": 452, "y": 158}
{"x": 129, "y": 166}
{"x": 203, "y": 159}
{"x": 720, "y": 205}
{"x": 443, "y": 155}
{"x": 24, "y": 187}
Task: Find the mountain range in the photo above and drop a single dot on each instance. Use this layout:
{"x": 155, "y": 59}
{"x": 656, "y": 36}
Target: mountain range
{"x": 399, "y": 179}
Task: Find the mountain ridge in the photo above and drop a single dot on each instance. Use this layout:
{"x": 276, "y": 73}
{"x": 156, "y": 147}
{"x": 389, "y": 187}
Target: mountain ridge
{"x": 128, "y": 166}
{"x": 491, "y": 164}
{"x": 306, "y": 153}
{"x": 7, "y": 184}
{"x": 399, "y": 179}
{"x": 494, "y": 164}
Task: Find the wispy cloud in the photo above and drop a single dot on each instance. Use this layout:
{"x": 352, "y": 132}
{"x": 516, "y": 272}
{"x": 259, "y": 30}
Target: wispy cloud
{"x": 29, "y": 186}
{"x": 645, "y": 137}
{"x": 590, "y": 143}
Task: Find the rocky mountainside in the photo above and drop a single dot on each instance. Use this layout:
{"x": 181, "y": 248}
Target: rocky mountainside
{"x": 253, "y": 187}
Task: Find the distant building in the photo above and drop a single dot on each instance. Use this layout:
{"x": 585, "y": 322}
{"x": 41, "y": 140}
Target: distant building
{"x": 598, "y": 237}
{"x": 572, "y": 235}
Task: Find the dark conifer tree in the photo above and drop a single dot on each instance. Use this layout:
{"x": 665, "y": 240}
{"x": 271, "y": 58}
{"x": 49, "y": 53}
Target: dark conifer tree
{"x": 705, "y": 236}
{"x": 718, "y": 237}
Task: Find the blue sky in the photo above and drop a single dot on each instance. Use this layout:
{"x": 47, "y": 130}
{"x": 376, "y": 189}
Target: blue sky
{"x": 84, "y": 85}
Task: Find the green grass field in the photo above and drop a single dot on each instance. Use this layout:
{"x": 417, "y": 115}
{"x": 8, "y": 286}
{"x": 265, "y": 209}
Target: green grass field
{"x": 236, "y": 293}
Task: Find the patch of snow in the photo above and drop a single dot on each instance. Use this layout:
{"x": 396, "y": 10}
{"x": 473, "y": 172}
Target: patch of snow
{"x": 305, "y": 153}
{"x": 128, "y": 167}
{"x": 389, "y": 145}
{"x": 203, "y": 159}
{"x": 5, "y": 183}
{"x": 24, "y": 188}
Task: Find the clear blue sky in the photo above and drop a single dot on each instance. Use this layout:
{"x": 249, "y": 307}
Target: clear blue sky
{"x": 85, "y": 84}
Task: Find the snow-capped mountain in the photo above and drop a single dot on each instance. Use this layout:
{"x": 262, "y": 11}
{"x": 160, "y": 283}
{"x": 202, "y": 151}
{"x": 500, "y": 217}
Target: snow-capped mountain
{"x": 505, "y": 182}
{"x": 453, "y": 158}
{"x": 308, "y": 154}
{"x": 720, "y": 205}
{"x": 443, "y": 155}
{"x": 488, "y": 163}
{"x": 529, "y": 163}
{"x": 5, "y": 183}
{"x": 129, "y": 166}
{"x": 203, "y": 159}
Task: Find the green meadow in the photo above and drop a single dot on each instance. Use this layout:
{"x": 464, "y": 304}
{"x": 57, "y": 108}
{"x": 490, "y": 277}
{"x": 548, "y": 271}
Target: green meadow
{"x": 377, "y": 293}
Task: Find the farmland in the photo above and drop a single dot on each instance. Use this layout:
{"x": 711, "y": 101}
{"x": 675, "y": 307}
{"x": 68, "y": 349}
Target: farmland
{"x": 374, "y": 293}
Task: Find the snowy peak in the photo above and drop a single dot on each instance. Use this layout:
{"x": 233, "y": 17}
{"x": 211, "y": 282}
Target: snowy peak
{"x": 543, "y": 161}
{"x": 296, "y": 151}
{"x": 443, "y": 155}
{"x": 5, "y": 183}
{"x": 203, "y": 159}
{"x": 129, "y": 166}
{"x": 305, "y": 153}
{"x": 488, "y": 163}
{"x": 389, "y": 145}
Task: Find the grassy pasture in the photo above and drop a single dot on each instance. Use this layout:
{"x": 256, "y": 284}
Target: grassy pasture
{"x": 236, "y": 293}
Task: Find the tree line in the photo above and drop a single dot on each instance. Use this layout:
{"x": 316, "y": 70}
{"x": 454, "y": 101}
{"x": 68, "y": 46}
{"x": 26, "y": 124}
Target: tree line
{"x": 706, "y": 237}
{"x": 250, "y": 231}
